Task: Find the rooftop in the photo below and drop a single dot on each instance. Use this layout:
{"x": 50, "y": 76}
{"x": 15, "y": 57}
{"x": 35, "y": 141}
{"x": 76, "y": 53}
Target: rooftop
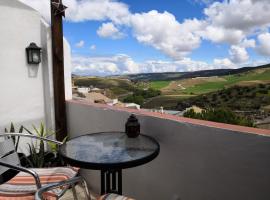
{"x": 198, "y": 160}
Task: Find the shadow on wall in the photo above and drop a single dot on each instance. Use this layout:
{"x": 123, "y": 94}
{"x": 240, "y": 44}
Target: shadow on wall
{"x": 32, "y": 71}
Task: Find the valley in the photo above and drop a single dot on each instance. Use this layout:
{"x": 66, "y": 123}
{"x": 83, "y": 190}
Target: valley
{"x": 244, "y": 90}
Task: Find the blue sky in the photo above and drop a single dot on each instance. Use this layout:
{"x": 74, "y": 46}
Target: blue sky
{"x": 86, "y": 31}
{"x": 138, "y": 36}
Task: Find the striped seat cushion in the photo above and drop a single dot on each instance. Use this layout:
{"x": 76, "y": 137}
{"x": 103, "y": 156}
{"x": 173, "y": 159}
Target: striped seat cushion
{"x": 114, "y": 197}
{"x": 23, "y": 186}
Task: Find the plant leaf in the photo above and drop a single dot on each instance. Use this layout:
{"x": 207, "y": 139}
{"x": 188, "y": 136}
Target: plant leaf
{"x": 28, "y": 130}
{"x": 12, "y": 129}
{"x": 18, "y": 139}
{"x": 21, "y": 129}
{"x": 41, "y": 130}
{"x": 36, "y": 130}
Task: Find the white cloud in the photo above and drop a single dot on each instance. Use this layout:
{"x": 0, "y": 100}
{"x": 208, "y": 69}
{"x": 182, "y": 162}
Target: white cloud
{"x": 124, "y": 64}
{"x": 221, "y": 35}
{"x": 242, "y": 15}
{"x": 118, "y": 64}
{"x": 93, "y": 66}
{"x": 163, "y": 32}
{"x": 127, "y": 64}
{"x": 93, "y": 47}
{"x": 186, "y": 64}
{"x": 97, "y": 10}
{"x": 80, "y": 44}
{"x": 233, "y": 21}
{"x": 248, "y": 43}
{"x": 223, "y": 63}
{"x": 238, "y": 54}
{"x": 109, "y": 30}
{"x": 83, "y": 10}
{"x": 264, "y": 44}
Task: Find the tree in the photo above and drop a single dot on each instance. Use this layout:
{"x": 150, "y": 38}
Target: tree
{"x": 220, "y": 115}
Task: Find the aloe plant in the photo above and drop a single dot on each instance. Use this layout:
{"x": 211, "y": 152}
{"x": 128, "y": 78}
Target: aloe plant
{"x": 38, "y": 156}
{"x": 37, "y": 152}
{"x": 12, "y": 129}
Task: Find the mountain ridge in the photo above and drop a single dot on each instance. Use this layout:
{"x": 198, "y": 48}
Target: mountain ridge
{"x": 170, "y": 76}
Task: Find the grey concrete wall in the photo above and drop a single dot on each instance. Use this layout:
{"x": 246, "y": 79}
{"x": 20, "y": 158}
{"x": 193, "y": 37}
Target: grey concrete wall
{"x": 195, "y": 162}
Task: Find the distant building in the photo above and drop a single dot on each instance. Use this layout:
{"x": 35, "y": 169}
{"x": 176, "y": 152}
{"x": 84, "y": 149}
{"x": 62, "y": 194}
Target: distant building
{"x": 133, "y": 105}
{"x": 83, "y": 90}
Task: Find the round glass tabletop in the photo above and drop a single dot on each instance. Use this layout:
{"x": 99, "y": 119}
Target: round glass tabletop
{"x": 109, "y": 150}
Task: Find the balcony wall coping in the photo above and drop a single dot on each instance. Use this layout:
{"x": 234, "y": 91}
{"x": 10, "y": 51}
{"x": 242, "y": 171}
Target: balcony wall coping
{"x": 236, "y": 128}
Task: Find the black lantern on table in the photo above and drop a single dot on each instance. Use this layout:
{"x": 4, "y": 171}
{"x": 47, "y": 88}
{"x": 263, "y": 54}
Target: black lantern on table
{"x": 33, "y": 54}
{"x": 132, "y": 126}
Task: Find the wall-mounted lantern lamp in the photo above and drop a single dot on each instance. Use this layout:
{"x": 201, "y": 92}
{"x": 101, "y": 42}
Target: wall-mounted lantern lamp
{"x": 33, "y": 54}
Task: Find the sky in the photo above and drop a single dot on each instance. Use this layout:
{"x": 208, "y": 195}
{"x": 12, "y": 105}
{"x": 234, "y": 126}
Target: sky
{"x": 109, "y": 37}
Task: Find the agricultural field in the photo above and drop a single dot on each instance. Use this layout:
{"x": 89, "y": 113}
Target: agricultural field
{"x": 158, "y": 84}
{"x": 202, "y": 85}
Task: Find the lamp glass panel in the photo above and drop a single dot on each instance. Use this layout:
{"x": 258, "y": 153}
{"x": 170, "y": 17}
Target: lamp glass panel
{"x": 35, "y": 56}
{"x": 29, "y": 53}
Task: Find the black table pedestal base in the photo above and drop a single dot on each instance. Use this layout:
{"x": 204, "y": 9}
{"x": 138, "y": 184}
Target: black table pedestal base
{"x": 111, "y": 181}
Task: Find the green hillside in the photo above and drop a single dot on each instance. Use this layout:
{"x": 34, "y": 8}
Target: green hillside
{"x": 184, "y": 91}
{"x": 172, "y": 93}
{"x": 159, "y": 84}
{"x": 256, "y": 75}
{"x": 115, "y": 85}
{"x": 240, "y": 98}
{"x": 202, "y": 85}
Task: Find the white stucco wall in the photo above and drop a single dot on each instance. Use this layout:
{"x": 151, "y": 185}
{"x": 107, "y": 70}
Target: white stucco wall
{"x": 68, "y": 81}
{"x": 26, "y": 90}
{"x": 196, "y": 162}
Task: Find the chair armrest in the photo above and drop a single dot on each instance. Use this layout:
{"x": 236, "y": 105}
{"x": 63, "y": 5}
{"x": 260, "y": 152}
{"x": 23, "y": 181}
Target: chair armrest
{"x": 23, "y": 169}
{"x": 48, "y": 187}
{"x": 31, "y": 136}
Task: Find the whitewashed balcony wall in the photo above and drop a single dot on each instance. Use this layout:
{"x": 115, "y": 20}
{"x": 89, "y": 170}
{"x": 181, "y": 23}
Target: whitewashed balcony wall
{"x": 196, "y": 162}
{"x": 26, "y": 90}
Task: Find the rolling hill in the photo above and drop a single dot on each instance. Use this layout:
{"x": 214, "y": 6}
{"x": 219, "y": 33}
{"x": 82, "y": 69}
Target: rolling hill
{"x": 169, "y": 76}
{"x": 174, "y": 91}
{"x": 237, "y": 98}
{"x": 175, "y": 87}
{"x": 116, "y": 86}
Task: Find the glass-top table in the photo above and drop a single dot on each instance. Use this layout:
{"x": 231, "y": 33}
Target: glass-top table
{"x": 109, "y": 152}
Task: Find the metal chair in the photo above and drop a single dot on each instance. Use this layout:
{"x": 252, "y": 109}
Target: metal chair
{"x": 17, "y": 182}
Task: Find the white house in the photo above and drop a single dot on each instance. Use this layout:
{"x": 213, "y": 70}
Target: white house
{"x": 83, "y": 90}
{"x": 133, "y": 105}
{"x": 21, "y": 83}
